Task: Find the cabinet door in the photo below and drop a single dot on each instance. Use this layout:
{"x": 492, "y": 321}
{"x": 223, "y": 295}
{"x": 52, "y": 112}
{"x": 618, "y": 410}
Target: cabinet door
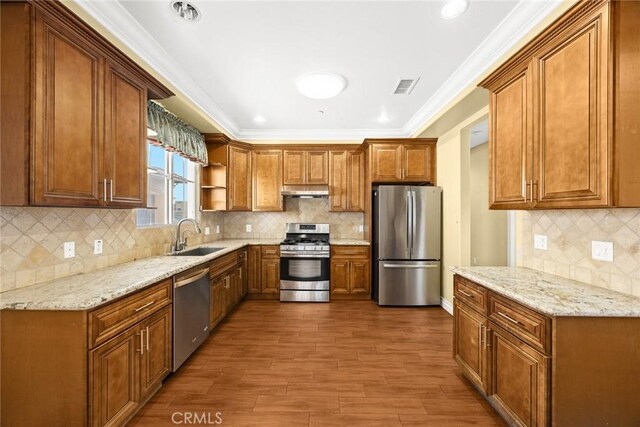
{"x": 238, "y": 285}
{"x": 519, "y": 383}
{"x": 339, "y": 276}
{"x": 359, "y": 281}
{"x": 270, "y": 273}
{"x": 155, "y": 361}
{"x": 418, "y": 163}
{"x": 338, "y": 181}
{"x": 239, "y": 183}
{"x": 253, "y": 267}
{"x": 218, "y": 301}
{"x": 294, "y": 167}
{"x": 572, "y": 109}
{"x": 317, "y": 167}
{"x": 355, "y": 181}
{"x": 510, "y": 144}
{"x": 229, "y": 291}
{"x": 267, "y": 180}
{"x": 113, "y": 377}
{"x": 125, "y": 147}
{"x": 386, "y": 163}
{"x": 67, "y": 151}
{"x": 469, "y": 349}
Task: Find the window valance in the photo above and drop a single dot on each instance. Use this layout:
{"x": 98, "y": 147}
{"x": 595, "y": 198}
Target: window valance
{"x": 175, "y": 135}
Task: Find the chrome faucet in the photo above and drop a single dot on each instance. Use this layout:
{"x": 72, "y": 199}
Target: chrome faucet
{"x": 181, "y": 242}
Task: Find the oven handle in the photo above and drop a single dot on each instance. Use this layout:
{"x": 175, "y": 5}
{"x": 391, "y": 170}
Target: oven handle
{"x": 299, "y": 255}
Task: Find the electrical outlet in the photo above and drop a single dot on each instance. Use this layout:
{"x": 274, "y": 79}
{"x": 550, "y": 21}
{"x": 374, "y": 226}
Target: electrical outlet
{"x": 69, "y": 249}
{"x": 602, "y": 251}
{"x": 97, "y": 246}
{"x": 248, "y": 228}
{"x": 217, "y": 229}
{"x": 207, "y": 231}
{"x": 540, "y": 241}
{"x": 361, "y": 228}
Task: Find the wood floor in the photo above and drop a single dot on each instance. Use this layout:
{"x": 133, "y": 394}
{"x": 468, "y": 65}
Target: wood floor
{"x": 347, "y": 363}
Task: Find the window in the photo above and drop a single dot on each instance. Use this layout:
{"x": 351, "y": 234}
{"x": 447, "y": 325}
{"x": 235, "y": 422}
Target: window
{"x": 171, "y": 188}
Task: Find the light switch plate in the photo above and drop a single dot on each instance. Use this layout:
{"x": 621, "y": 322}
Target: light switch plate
{"x": 217, "y": 229}
{"x": 69, "y": 249}
{"x": 97, "y": 246}
{"x": 540, "y": 241}
{"x": 602, "y": 251}
{"x": 248, "y": 228}
{"x": 207, "y": 231}
{"x": 361, "y": 228}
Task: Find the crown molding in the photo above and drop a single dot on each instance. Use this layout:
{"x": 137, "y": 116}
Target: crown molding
{"x": 524, "y": 17}
{"x": 318, "y": 134}
{"x": 119, "y": 22}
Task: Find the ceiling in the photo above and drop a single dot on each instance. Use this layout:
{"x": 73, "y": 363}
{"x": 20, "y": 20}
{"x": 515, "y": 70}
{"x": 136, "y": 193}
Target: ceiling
{"x": 242, "y": 58}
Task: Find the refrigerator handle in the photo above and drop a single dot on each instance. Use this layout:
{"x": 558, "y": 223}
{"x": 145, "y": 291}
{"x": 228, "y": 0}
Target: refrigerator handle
{"x": 409, "y": 223}
{"x": 413, "y": 218}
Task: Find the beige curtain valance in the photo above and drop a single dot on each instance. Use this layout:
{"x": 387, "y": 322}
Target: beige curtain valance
{"x": 175, "y": 135}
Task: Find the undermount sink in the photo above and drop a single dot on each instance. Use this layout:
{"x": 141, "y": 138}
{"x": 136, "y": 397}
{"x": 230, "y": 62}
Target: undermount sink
{"x": 197, "y": 252}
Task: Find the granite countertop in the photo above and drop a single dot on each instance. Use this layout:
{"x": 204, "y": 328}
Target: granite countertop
{"x": 552, "y": 295}
{"x": 349, "y": 242}
{"x": 89, "y": 290}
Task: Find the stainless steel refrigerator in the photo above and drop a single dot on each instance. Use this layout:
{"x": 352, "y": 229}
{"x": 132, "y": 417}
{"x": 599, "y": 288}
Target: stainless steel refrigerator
{"x": 407, "y": 224}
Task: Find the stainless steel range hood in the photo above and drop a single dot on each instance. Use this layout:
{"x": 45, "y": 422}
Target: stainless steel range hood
{"x": 305, "y": 191}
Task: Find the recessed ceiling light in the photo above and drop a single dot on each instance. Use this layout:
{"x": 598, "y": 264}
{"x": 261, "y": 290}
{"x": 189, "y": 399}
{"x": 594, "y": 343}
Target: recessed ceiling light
{"x": 321, "y": 111}
{"x": 321, "y": 85}
{"x": 259, "y": 119}
{"x": 185, "y": 10}
{"x": 454, "y": 8}
{"x": 383, "y": 118}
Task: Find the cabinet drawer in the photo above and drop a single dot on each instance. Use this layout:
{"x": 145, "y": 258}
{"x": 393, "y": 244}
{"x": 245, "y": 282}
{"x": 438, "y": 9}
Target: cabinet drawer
{"x": 473, "y": 295}
{"x": 270, "y": 251}
{"x": 223, "y": 264}
{"x": 350, "y": 251}
{"x": 526, "y": 324}
{"x": 114, "y": 318}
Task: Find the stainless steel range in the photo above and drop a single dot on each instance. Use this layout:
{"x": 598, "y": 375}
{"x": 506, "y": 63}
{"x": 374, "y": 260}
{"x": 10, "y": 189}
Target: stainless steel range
{"x": 304, "y": 263}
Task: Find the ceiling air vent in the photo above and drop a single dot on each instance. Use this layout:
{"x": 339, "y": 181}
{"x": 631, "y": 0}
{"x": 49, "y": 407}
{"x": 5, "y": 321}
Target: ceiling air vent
{"x": 405, "y": 86}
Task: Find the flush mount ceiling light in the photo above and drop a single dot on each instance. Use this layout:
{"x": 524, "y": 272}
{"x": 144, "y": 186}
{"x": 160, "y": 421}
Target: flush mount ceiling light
{"x": 383, "y": 118}
{"x": 321, "y": 85}
{"x": 454, "y": 8}
{"x": 259, "y": 119}
{"x": 185, "y": 10}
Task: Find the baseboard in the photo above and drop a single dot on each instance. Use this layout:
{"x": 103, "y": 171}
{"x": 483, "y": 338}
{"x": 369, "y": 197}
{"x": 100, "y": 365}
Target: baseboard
{"x": 446, "y": 305}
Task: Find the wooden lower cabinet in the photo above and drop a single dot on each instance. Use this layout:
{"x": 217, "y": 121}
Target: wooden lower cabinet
{"x": 350, "y": 272}
{"x": 270, "y": 276}
{"x": 519, "y": 380}
{"x": 253, "y": 266}
{"x": 469, "y": 350}
{"x": 218, "y": 301}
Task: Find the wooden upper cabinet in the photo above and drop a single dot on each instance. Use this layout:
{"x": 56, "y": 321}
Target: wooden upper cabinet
{"x": 403, "y": 160}
{"x": 563, "y": 120}
{"x": 239, "y": 179}
{"x": 386, "y": 163}
{"x": 67, "y": 154}
{"x": 125, "y": 153}
{"x": 306, "y": 167}
{"x": 571, "y": 152}
{"x": 267, "y": 180}
{"x": 346, "y": 181}
{"x": 77, "y": 119}
{"x": 510, "y": 162}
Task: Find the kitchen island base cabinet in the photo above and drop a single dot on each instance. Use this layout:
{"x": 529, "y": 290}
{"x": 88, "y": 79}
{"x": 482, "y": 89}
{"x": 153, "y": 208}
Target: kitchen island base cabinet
{"x": 543, "y": 370}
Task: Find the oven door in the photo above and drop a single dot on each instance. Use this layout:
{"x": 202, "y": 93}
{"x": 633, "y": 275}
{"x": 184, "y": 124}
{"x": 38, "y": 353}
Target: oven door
{"x": 301, "y": 272}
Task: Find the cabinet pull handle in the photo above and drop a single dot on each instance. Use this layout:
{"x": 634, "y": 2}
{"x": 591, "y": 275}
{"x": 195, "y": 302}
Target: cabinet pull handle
{"x": 466, "y": 294}
{"x": 480, "y": 335}
{"x": 510, "y": 319}
{"x": 534, "y": 183}
{"x": 111, "y": 190}
{"x": 141, "y": 349}
{"x": 487, "y": 343}
{"x": 526, "y": 191}
{"x": 143, "y": 306}
{"x": 148, "y": 348}
{"x": 531, "y": 191}
{"x": 104, "y": 189}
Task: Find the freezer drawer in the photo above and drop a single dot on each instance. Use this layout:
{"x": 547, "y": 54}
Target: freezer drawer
{"x": 409, "y": 283}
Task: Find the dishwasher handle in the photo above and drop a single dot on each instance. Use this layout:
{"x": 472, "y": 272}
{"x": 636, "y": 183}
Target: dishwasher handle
{"x": 182, "y": 281}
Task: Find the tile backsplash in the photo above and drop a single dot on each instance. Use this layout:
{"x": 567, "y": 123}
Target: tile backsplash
{"x": 344, "y": 225}
{"x": 31, "y": 241}
{"x": 570, "y": 233}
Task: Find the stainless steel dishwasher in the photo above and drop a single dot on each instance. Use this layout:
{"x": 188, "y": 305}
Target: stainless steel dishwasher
{"x": 190, "y": 312}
